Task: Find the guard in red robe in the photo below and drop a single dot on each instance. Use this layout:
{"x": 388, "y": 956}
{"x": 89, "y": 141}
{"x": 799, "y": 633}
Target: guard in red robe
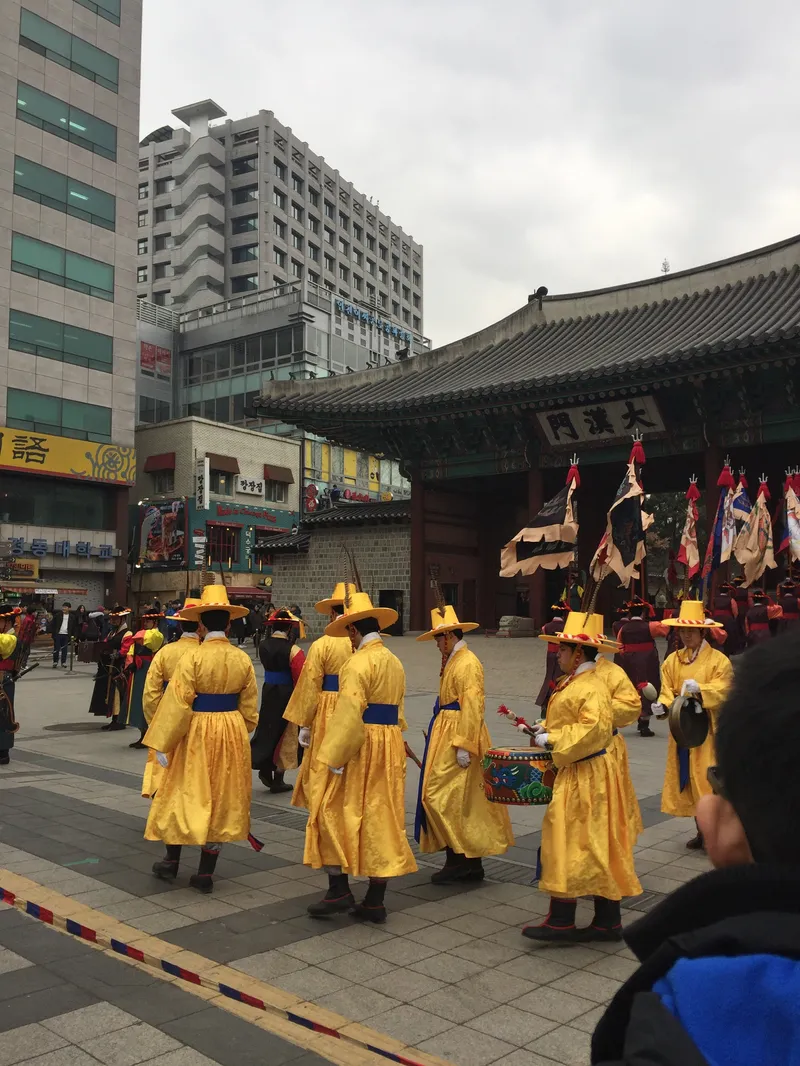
{"x": 758, "y": 618}
{"x": 726, "y": 611}
{"x": 552, "y": 671}
{"x": 639, "y": 656}
{"x": 789, "y": 604}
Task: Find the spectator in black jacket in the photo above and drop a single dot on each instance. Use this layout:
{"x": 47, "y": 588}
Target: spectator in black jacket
{"x": 719, "y": 980}
{"x": 61, "y": 629}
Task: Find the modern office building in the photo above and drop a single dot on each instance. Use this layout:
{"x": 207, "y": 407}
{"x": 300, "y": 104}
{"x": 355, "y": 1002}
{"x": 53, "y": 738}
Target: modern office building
{"x": 245, "y": 206}
{"x": 69, "y": 113}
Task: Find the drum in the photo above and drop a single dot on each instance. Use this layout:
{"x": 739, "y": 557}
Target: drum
{"x": 518, "y": 775}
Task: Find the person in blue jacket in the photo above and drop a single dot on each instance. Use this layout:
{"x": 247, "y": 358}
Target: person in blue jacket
{"x": 719, "y": 980}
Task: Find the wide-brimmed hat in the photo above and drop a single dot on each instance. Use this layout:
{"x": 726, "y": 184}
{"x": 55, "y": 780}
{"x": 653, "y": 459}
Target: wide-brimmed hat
{"x": 582, "y": 628}
{"x": 445, "y": 620}
{"x": 358, "y": 606}
{"x": 7, "y": 610}
{"x": 119, "y": 612}
{"x": 214, "y": 598}
{"x": 692, "y": 616}
{"x": 190, "y": 602}
{"x": 336, "y": 599}
{"x": 637, "y": 603}
{"x": 152, "y": 614}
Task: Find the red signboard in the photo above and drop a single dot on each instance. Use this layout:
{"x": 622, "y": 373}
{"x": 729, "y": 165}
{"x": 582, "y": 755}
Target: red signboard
{"x": 164, "y": 362}
{"x": 147, "y": 357}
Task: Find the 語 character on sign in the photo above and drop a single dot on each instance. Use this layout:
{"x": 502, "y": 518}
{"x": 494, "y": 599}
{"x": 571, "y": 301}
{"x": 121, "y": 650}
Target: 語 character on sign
{"x": 29, "y": 448}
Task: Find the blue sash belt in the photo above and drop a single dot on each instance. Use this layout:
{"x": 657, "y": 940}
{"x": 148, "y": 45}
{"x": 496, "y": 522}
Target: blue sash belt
{"x": 592, "y": 756}
{"x": 381, "y": 714}
{"x": 277, "y": 677}
{"x": 330, "y": 683}
{"x": 420, "y": 821}
{"x": 216, "y": 701}
{"x": 614, "y": 732}
{"x": 164, "y": 685}
{"x": 683, "y": 767}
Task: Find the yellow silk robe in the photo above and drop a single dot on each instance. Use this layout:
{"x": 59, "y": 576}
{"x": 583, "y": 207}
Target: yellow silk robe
{"x": 714, "y": 674}
{"x": 360, "y": 823}
{"x": 311, "y": 707}
{"x": 626, "y": 706}
{"x": 587, "y": 846}
{"x": 161, "y": 670}
{"x": 457, "y": 813}
{"x": 204, "y": 795}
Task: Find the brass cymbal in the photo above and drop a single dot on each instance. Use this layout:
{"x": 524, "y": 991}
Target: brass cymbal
{"x": 688, "y": 721}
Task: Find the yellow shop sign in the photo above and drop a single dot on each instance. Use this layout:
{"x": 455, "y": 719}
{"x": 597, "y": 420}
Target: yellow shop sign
{"x": 43, "y": 453}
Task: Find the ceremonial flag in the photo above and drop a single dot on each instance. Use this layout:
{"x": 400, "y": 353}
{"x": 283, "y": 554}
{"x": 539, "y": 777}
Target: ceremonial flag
{"x": 723, "y": 531}
{"x": 623, "y": 547}
{"x": 689, "y": 551}
{"x": 741, "y": 505}
{"x": 549, "y": 539}
{"x": 790, "y": 541}
{"x": 753, "y": 547}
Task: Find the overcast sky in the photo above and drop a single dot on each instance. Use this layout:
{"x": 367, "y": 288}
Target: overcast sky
{"x": 568, "y": 143}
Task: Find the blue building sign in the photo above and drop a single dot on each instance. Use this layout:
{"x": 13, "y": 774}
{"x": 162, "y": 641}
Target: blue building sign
{"x": 368, "y": 318}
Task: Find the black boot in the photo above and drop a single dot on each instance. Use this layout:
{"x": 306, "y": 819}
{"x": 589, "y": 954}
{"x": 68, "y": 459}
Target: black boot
{"x": 457, "y": 867}
{"x": 167, "y": 869}
{"x": 4, "y": 758}
{"x": 696, "y": 843}
{"x": 644, "y": 728}
{"x": 265, "y": 777}
{"x": 559, "y": 925}
{"x": 607, "y": 921}
{"x": 372, "y": 908}
{"x": 203, "y": 879}
{"x": 112, "y": 725}
{"x": 278, "y": 784}
{"x": 138, "y": 743}
{"x": 336, "y": 900}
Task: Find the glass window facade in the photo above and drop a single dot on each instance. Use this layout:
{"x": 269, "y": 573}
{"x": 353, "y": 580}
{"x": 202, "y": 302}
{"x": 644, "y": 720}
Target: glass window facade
{"x": 57, "y": 340}
{"x": 152, "y": 410}
{"x": 70, "y": 51}
{"x": 62, "y": 193}
{"x": 37, "y": 501}
{"x": 244, "y": 224}
{"x": 107, "y": 9}
{"x": 63, "y": 120}
{"x": 47, "y": 262}
{"x": 51, "y": 414}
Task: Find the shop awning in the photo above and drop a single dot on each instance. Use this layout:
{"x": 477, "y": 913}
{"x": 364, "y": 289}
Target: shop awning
{"x": 278, "y": 473}
{"x": 227, "y": 463}
{"x": 154, "y": 463}
{"x": 248, "y": 592}
{"x": 45, "y": 590}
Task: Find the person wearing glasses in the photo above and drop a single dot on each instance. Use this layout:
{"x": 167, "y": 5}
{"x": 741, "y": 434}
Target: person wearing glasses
{"x": 719, "y": 980}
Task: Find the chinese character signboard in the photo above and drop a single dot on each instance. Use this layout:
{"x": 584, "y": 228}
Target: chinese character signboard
{"x": 250, "y": 486}
{"x": 600, "y": 421}
{"x": 82, "y": 460}
{"x": 162, "y": 535}
{"x": 163, "y": 362}
{"x": 147, "y": 357}
{"x": 202, "y": 488}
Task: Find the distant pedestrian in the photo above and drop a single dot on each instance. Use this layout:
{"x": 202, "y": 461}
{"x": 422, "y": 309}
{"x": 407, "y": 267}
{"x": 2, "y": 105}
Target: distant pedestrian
{"x": 62, "y": 628}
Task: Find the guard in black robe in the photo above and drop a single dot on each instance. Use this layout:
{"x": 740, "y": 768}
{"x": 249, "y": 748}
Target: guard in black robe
{"x": 110, "y": 683}
{"x": 273, "y": 749}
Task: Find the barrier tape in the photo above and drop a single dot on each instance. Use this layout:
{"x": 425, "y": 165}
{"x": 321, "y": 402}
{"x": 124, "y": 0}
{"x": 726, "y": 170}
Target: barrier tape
{"x": 83, "y": 932}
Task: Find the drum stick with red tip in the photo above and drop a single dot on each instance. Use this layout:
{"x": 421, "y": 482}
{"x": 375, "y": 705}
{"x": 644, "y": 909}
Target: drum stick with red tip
{"x": 520, "y": 723}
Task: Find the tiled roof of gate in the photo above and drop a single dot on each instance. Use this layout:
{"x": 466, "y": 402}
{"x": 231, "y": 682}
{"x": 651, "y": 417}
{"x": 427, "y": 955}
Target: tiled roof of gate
{"x": 691, "y": 329}
{"x": 356, "y": 513}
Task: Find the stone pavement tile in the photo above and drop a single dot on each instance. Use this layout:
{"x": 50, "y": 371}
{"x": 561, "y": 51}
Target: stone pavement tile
{"x": 454, "y": 1003}
{"x": 186, "y": 1056}
{"x": 467, "y": 1047}
{"x": 434, "y": 912}
{"x": 512, "y": 937}
{"x": 505, "y": 892}
{"x": 231, "y": 1041}
{"x": 90, "y": 1022}
{"x": 357, "y": 1002}
{"x": 268, "y": 965}
{"x": 23, "y": 982}
{"x": 161, "y": 922}
{"x": 575, "y": 955}
{"x": 588, "y": 985}
{"x": 440, "y": 937}
{"x": 98, "y": 973}
{"x": 401, "y": 923}
{"x": 534, "y": 967}
{"x": 516, "y": 1026}
{"x": 614, "y": 966}
{"x": 427, "y": 892}
{"x": 203, "y": 910}
{"x": 588, "y": 1022}
{"x": 475, "y": 925}
{"x": 487, "y": 952}
{"x": 448, "y": 968}
{"x": 409, "y": 1024}
{"x": 358, "y": 936}
{"x": 655, "y": 882}
{"x": 157, "y": 1003}
{"x": 129, "y": 1046}
{"x": 310, "y": 982}
{"x": 358, "y": 966}
{"x": 401, "y": 951}
{"x": 509, "y": 915}
{"x": 558, "y": 1006}
{"x": 38, "y": 1006}
{"x": 135, "y": 883}
{"x": 99, "y": 897}
{"x": 65, "y": 1056}
{"x": 245, "y": 899}
{"x": 317, "y": 949}
{"x": 675, "y": 872}
{"x": 10, "y": 961}
{"x": 175, "y": 898}
{"x": 521, "y": 1057}
{"x": 11, "y": 919}
{"x": 27, "y": 1042}
{"x": 566, "y": 1045}
{"x": 661, "y": 858}
{"x": 289, "y": 889}
{"x": 136, "y": 908}
{"x": 404, "y": 985}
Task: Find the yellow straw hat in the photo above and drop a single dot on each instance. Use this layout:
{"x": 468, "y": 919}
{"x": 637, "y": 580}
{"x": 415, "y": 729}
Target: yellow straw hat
{"x": 336, "y": 599}
{"x": 693, "y": 616}
{"x": 445, "y": 620}
{"x": 189, "y": 602}
{"x": 214, "y": 598}
{"x": 357, "y": 606}
{"x": 581, "y": 628}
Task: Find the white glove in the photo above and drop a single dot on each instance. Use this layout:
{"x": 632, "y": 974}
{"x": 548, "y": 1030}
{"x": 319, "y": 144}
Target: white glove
{"x": 162, "y": 759}
{"x": 659, "y": 710}
{"x": 462, "y": 758}
{"x": 304, "y": 737}
{"x": 541, "y": 739}
{"x": 690, "y": 687}
{"x": 336, "y": 769}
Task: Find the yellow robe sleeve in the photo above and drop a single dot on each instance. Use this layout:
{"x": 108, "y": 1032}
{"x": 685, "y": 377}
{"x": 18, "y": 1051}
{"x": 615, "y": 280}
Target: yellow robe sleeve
{"x": 153, "y": 640}
{"x": 626, "y": 703}
{"x": 589, "y": 732}
{"x": 670, "y": 685}
{"x": 248, "y": 701}
{"x": 153, "y": 687}
{"x": 715, "y": 684}
{"x": 171, "y": 724}
{"x": 302, "y": 706}
{"x": 8, "y": 645}
{"x": 469, "y": 685}
{"x": 345, "y": 731}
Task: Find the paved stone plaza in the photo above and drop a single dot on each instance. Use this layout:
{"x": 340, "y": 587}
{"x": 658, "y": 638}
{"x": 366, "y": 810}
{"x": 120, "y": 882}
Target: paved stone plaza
{"x": 448, "y": 976}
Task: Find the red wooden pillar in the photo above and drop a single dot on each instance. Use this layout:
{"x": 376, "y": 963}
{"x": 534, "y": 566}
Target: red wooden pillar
{"x": 418, "y": 571}
{"x": 537, "y": 589}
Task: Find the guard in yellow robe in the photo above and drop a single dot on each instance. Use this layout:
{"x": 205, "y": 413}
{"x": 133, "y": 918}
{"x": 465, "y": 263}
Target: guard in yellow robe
{"x": 626, "y": 708}
{"x": 453, "y": 813}
{"x": 313, "y": 701}
{"x": 587, "y": 846}
{"x": 9, "y": 664}
{"x": 201, "y": 736}
{"x": 359, "y": 827}
{"x": 162, "y": 668}
{"x": 694, "y": 668}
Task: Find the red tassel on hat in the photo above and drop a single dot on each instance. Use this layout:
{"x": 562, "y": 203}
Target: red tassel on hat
{"x": 573, "y": 475}
{"x": 725, "y": 479}
{"x": 637, "y": 453}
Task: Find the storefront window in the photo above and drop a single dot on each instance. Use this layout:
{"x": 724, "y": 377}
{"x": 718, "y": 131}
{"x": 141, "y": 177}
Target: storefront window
{"x": 40, "y": 501}
{"x": 223, "y": 544}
